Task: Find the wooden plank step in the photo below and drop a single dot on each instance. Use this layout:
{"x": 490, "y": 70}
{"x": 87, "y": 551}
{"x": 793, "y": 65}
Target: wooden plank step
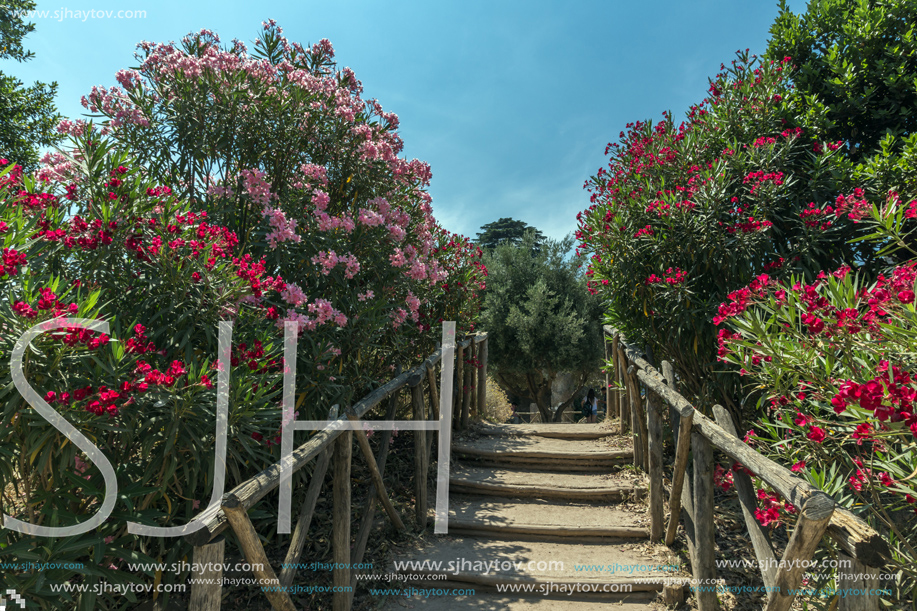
{"x": 543, "y": 451}
{"x": 508, "y": 518}
{"x": 546, "y": 570}
{"x": 544, "y": 464}
{"x": 486, "y": 599}
{"x": 466, "y": 478}
{"x": 554, "y": 431}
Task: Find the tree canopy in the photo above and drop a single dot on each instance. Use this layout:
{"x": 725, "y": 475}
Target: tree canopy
{"x": 860, "y": 60}
{"x": 27, "y": 114}
{"x": 507, "y": 230}
{"x": 541, "y": 320}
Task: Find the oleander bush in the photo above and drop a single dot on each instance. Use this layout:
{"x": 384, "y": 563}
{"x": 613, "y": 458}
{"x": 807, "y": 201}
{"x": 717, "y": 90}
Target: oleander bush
{"x": 686, "y": 213}
{"x": 114, "y": 247}
{"x": 832, "y": 365}
{"x": 708, "y": 239}
{"x": 215, "y": 186}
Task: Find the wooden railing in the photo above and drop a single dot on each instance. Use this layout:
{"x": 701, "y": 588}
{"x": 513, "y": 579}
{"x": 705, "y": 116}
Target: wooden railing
{"x": 335, "y": 447}
{"x": 636, "y": 394}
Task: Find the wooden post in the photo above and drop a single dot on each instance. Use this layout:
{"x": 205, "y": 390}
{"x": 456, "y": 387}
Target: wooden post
{"x": 433, "y": 412}
{"x": 813, "y": 520}
{"x": 638, "y": 420}
{"x": 374, "y": 472}
{"x": 420, "y": 459}
{"x": 207, "y": 582}
{"x": 466, "y": 389}
{"x": 687, "y": 501}
{"x": 458, "y": 399}
{"x": 254, "y": 554}
{"x": 704, "y": 530}
{"x": 301, "y": 532}
{"x": 433, "y": 386}
{"x": 369, "y": 507}
{"x": 340, "y": 526}
{"x": 642, "y": 415}
{"x": 857, "y": 576}
{"x": 682, "y": 433}
{"x": 482, "y": 376}
{"x": 472, "y": 388}
{"x": 760, "y": 539}
{"x": 623, "y": 395}
{"x": 679, "y": 484}
{"x": 616, "y": 395}
{"x": 607, "y": 378}
{"x": 668, "y": 372}
{"x": 654, "y": 420}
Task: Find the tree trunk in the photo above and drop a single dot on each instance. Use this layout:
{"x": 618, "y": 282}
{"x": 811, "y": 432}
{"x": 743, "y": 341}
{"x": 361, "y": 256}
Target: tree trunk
{"x": 539, "y": 391}
{"x": 559, "y": 414}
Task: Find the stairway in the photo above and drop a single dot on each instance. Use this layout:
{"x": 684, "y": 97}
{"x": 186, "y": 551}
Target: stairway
{"x": 542, "y": 501}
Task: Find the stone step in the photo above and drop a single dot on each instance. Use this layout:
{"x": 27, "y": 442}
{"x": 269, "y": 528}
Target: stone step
{"x": 543, "y": 453}
{"x": 481, "y": 600}
{"x": 542, "y": 520}
{"x": 466, "y": 478}
{"x": 539, "y": 570}
{"x": 554, "y": 431}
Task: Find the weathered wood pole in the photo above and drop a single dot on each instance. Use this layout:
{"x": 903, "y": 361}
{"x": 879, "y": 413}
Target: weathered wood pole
{"x": 433, "y": 412}
{"x": 482, "y": 376}
{"x": 813, "y": 520}
{"x": 642, "y": 420}
{"x": 704, "y": 530}
{"x": 607, "y": 371}
{"x": 473, "y": 387}
{"x": 458, "y": 399}
{"x": 301, "y": 531}
{"x": 760, "y": 539}
{"x": 420, "y": 459}
{"x": 374, "y": 472}
{"x": 340, "y": 525}
{"x": 654, "y": 420}
{"x": 668, "y": 372}
{"x": 856, "y": 575}
{"x": 255, "y": 556}
{"x": 369, "y": 507}
{"x": 680, "y": 488}
{"x": 638, "y": 420}
{"x": 616, "y": 394}
{"x": 682, "y": 433}
{"x": 467, "y": 383}
{"x": 623, "y": 394}
{"x": 207, "y": 584}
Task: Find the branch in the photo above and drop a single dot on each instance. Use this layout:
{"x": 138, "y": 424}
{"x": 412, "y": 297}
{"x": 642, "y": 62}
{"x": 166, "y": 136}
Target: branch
{"x": 566, "y": 404}
{"x": 536, "y": 394}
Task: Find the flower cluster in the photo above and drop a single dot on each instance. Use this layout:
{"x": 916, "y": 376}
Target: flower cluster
{"x": 672, "y": 277}
{"x": 757, "y": 179}
{"x": 773, "y": 511}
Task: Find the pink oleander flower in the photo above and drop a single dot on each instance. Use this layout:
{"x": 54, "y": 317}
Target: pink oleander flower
{"x": 321, "y": 200}
{"x": 328, "y": 260}
{"x": 398, "y": 317}
{"x": 256, "y": 187}
{"x": 352, "y": 265}
{"x": 293, "y": 295}
{"x": 397, "y": 258}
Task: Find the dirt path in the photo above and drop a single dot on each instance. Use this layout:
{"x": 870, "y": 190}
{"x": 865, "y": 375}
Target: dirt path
{"x": 541, "y": 517}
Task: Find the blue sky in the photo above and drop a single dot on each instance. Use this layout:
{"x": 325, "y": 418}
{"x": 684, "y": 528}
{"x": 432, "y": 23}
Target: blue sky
{"x": 512, "y": 103}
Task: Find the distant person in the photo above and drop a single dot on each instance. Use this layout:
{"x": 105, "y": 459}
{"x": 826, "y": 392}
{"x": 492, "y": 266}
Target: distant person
{"x": 590, "y": 407}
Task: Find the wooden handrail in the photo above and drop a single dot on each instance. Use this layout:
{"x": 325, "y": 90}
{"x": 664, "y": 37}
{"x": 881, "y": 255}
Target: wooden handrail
{"x": 243, "y": 497}
{"x": 253, "y": 490}
{"x": 854, "y": 536}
